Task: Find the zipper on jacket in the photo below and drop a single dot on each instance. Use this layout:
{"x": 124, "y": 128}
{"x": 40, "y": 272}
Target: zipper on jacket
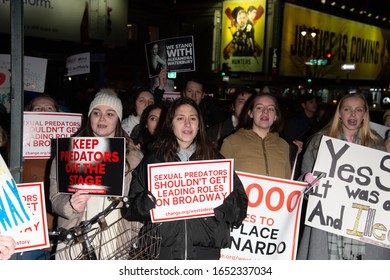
{"x": 265, "y": 157}
{"x": 185, "y": 230}
{"x": 187, "y": 158}
{"x": 185, "y": 240}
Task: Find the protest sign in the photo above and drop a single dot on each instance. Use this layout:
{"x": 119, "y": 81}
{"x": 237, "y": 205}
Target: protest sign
{"x": 93, "y": 164}
{"x": 40, "y": 128}
{"x": 192, "y": 189}
{"x": 353, "y": 199}
{"x": 380, "y": 128}
{"x": 78, "y": 64}
{"x": 271, "y": 228}
{"x": 15, "y": 215}
{"x": 170, "y": 96}
{"x": 174, "y": 54}
{"x": 34, "y": 74}
{"x": 35, "y": 237}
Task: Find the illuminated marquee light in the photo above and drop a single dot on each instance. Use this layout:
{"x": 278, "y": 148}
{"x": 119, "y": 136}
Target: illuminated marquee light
{"x": 348, "y": 66}
{"x": 316, "y": 62}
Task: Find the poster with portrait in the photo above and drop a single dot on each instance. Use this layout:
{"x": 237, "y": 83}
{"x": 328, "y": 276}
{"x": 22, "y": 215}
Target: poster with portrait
{"x": 242, "y": 42}
{"x": 174, "y": 54}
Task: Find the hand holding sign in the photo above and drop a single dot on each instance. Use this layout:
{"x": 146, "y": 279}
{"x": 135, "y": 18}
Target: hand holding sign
{"x": 313, "y": 182}
{"x": 353, "y": 201}
{"x": 191, "y": 192}
{"x": 93, "y": 164}
{"x": 79, "y": 200}
{"x": 7, "y": 247}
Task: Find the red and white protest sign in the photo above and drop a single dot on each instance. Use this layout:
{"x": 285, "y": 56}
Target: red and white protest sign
{"x": 39, "y": 128}
{"x": 271, "y": 228}
{"x": 21, "y": 212}
{"x": 191, "y": 189}
{"x": 36, "y": 236}
{"x": 93, "y": 164}
{"x": 171, "y": 96}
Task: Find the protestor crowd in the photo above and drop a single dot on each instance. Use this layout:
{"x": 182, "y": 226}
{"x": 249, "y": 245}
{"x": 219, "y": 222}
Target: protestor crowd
{"x": 195, "y": 127}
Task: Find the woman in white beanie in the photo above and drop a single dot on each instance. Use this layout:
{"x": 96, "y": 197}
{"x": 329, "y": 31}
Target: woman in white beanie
{"x": 104, "y": 120}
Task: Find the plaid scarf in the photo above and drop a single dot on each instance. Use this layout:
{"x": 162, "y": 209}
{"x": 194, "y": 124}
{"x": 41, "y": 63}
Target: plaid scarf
{"x": 340, "y": 247}
{"x": 344, "y": 248}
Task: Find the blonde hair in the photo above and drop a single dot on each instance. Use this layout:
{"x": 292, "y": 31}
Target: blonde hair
{"x": 368, "y": 137}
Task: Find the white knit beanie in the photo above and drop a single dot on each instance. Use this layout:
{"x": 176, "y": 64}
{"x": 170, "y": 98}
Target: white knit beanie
{"x": 108, "y": 99}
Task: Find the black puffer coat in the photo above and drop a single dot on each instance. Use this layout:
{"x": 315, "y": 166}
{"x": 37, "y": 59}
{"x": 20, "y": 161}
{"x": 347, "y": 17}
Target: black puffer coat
{"x": 198, "y": 238}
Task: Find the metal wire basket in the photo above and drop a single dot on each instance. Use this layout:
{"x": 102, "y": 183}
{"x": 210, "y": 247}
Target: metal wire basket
{"x": 121, "y": 240}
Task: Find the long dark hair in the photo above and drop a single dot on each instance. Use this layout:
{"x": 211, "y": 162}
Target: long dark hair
{"x": 140, "y": 133}
{"x": 148, "y": 109}
{"x": 131, "y": 104}
{"x": 166, "y": 146}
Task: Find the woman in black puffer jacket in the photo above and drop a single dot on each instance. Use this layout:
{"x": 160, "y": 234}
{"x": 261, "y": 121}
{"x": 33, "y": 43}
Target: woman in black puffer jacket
{"x": 183, "y": 138}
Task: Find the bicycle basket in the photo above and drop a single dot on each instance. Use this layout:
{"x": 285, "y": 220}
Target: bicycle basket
{"x": 146, "y": 246}
{"x": 122, "y": 240}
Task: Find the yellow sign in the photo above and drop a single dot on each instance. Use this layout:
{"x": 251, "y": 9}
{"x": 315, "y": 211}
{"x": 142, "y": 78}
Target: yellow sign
{"x": 348, "y": 41}
{"x": 242, "y": 43}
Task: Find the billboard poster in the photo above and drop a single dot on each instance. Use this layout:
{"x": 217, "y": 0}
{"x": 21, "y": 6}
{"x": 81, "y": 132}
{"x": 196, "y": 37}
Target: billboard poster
{"x": 72, "y": 20}
{"x": 335, "y": 41}
{"x": 242, "y": 41}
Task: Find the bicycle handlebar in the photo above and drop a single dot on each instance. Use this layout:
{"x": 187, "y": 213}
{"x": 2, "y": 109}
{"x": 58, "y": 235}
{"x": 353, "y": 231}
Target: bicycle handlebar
{"x": 70, "y": 234}
{"x": 102, "y": 214}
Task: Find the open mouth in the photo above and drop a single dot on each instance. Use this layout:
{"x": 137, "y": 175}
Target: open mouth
{"x": 352, "y": 122}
